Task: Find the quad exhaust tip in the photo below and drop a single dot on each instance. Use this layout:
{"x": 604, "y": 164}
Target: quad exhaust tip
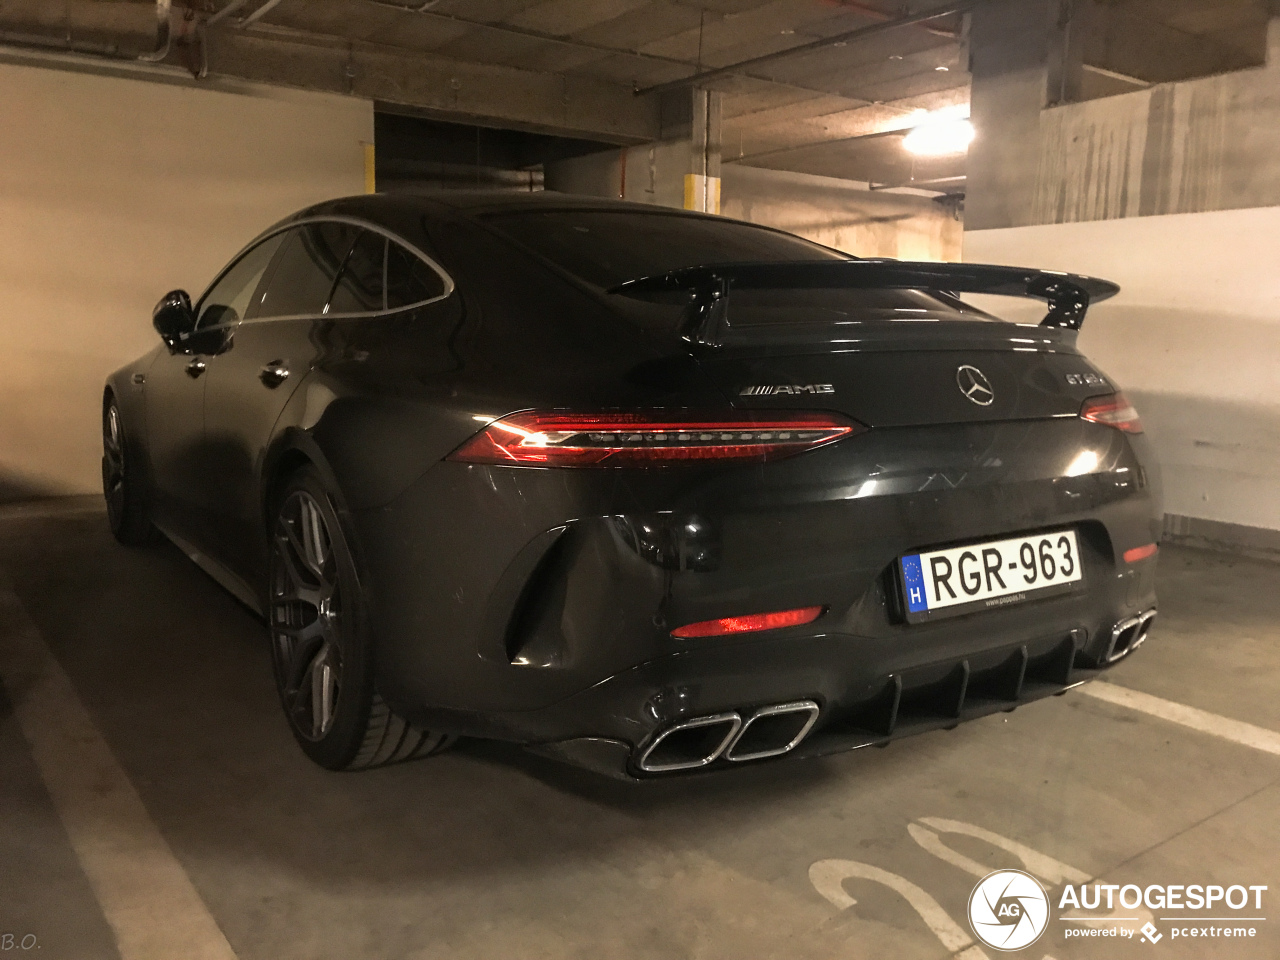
{"x": 773, "y": 731}
{"x": 1128, "y": 635}
{"x": 692, "y": 744}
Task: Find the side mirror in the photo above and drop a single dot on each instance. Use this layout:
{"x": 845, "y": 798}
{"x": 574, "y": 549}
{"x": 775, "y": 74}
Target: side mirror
{"x": 174, "y": 318}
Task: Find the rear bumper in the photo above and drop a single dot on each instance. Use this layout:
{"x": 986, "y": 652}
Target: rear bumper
{"x": 867, "y": 692}
{"x": 539, "y": 608}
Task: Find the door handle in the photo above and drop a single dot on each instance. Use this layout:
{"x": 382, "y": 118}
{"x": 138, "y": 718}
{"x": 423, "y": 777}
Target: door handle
{"x": 195, "y": 368}
{"x": 274, "y": 373}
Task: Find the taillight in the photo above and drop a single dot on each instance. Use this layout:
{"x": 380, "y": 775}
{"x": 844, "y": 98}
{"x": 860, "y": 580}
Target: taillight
{"x": 642, "y": 440}
{"x": 749, "y": 624}
{"x": 1112, "y": 410}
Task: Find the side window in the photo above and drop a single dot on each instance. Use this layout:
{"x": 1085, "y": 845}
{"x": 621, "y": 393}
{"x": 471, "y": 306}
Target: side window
{"x": 227, "y": 301}
{"x": 359, "y": 288}
{"x": 409, "y": 279}
{"x": 303, "y": 274}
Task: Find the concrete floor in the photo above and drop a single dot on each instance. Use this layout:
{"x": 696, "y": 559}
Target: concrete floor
{"x": 486, "y": 852}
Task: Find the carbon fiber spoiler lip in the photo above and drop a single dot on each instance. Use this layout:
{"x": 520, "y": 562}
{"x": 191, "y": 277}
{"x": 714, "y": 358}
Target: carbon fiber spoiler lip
{"x": 1068, "y": 295}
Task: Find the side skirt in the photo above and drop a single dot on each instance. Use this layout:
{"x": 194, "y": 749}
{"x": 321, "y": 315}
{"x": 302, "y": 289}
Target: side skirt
{"x": 224, "y": 577}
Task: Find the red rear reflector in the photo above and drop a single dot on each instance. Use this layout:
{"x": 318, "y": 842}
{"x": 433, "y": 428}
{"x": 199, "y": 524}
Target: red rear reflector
{"x": 641, "y": 440}
{"x": 1140, "y": 553}
{"x": 1112, "y": 410}
{"x": 750, "y": 623}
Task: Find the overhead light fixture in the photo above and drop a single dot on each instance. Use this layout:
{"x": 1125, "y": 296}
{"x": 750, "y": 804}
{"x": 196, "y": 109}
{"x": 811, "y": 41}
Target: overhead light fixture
{"x": 943, "y": 133}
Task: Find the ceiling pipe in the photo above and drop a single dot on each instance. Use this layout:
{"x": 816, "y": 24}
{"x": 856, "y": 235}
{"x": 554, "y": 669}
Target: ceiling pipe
{"x": 875, "y": 13}
{"x": 164, "y": 33}
{"x": 164, "y": 39}
{"x": 258, "y": 14}
{"x": 226, "y": 11}
{"x": 838, "y": 39}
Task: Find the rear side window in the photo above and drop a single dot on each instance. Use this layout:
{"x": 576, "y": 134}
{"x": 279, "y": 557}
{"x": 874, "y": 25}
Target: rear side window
{"x": 305, "y": 269}
{"x": 227, "y": 301}
{"x": 410, "y": 280}
{"x": 360, "y": 285}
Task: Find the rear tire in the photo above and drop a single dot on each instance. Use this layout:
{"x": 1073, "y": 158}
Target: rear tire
{"x": 322, "y": 650}
{"x": 127, "y": 495}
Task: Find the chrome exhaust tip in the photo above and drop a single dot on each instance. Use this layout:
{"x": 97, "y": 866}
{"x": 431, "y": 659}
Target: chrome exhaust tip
{"x": 773, "y": 731}
{"x": 690, "y": 744}
{"x": 1128, "y": 635}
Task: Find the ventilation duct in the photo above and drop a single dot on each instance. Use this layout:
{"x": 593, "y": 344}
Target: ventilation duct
{"x": 129, "y": 29}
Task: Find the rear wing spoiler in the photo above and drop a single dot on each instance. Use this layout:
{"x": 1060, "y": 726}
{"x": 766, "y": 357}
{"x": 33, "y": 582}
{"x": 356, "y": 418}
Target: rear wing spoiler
{"x": 1067, "y": 294}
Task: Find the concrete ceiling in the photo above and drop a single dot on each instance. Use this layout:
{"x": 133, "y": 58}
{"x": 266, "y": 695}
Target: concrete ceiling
{"x": 572, "y": 68}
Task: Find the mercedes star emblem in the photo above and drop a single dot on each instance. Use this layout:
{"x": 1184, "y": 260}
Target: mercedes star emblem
{"x": 974, "y": 385}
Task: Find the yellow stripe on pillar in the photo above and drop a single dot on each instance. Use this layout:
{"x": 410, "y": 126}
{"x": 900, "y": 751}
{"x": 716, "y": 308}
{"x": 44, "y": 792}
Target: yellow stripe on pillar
{"x": 701, "y": 193}
{"x": 370, "y": 177}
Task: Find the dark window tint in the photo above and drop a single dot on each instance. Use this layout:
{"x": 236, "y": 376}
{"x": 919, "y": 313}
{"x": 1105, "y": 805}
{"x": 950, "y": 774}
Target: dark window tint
{"x": 228, "y": 300}
{"x": 409, "y": 279}
{"x": 305, "y": 269}
{"x": 359, "y": 288}
{"x": 608, "y": 247}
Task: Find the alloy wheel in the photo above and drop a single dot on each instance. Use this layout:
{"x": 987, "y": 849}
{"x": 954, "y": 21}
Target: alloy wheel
{"x": 113, "y": 460}
{"x": 307, "y": 622}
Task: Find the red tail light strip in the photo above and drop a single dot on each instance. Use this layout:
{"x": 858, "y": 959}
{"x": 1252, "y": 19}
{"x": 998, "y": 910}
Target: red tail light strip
{"x": 1140, "y": 553}
{"x": 1113, "y": 410}
{"x": 749, "y": 624}
{"x": 636, "y": 440}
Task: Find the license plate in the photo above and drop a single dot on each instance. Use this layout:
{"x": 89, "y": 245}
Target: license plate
{"x": 984, "y": 576}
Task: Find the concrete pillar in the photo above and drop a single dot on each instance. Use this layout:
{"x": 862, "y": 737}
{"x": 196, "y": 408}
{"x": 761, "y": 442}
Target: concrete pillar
{"x": 1021, "y": 59}
{"x": 702, "y": 182}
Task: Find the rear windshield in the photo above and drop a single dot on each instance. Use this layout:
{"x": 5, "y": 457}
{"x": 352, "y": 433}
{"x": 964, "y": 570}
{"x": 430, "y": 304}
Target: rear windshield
{"x": 609, "y": 247}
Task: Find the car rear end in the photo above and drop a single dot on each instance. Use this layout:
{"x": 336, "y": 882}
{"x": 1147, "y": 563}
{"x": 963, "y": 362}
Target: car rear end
{"x": 879, "y": 512}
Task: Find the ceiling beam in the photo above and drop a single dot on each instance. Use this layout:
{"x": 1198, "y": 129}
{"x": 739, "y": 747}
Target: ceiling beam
{"x": 861, "y": 33}
{"x": 487, "y": 94}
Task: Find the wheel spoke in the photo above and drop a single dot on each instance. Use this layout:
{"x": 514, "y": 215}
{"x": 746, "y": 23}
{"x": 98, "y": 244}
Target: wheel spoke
{"x": 323, "y": 687}
{"x": 314, "y": 537}
{"x": 300, "y": 656}
{"x": 288, "y": 558}
{"x": 297, "y": 632}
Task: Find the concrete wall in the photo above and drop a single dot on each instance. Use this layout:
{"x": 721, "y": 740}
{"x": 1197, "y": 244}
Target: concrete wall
{"x": 839, "y": 213}
{"x": 1207, "y": 144}
{"x": 842, "y": 214}
{"x": 1194, "y": 339}
{"x": 1174, "y": 192}
{"x": 653, "y": 173}
{"x": 113, "y": 190}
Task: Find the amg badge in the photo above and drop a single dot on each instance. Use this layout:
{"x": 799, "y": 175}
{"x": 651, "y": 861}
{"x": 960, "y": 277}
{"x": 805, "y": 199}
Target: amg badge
{"x": 787, "y": 388}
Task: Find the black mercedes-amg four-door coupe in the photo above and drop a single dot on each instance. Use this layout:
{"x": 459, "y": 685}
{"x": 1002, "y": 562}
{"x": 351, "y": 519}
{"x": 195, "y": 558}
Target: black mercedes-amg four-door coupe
{"x": 644, "y": 490}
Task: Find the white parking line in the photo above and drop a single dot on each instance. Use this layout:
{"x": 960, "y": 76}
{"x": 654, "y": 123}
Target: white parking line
{"x": 1246, "y": 734}
{"x": 145, "y": 895}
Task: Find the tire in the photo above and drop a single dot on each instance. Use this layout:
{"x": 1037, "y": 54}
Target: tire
{"x": 123, "y": 486}
{"x": 321, "y": 648}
